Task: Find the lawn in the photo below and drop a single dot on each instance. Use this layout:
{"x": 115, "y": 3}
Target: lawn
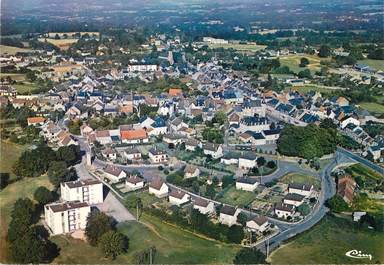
{"x": 328, "y": 241}
{"x": 172, "y": 246}
{"x": 307, "y": 88}
{"x": 14, "y": 76}
{"x": 237, "y": 197}
{"x": 376, "y": 64}
{"x": 25, "y": 88}
{"x": 360, "y": 170}
{"x": 293, "y": 61}
{"x": 10, "y": 50}
{"x": 238, "y": 47}
{"x": 374, "y": 108}
{"x": 61, "y": 43}
{"x": 20, "y": 189}
{"x": 9, "y": 153}
{"x": 299, "y": 178}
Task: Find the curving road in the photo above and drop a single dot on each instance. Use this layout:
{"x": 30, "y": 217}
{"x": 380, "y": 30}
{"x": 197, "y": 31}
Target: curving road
{"x": 288, "y": 230}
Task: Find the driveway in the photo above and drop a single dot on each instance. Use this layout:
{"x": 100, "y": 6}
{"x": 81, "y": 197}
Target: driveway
{"x": 113, "y": 207}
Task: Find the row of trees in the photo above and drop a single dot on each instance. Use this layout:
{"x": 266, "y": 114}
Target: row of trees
{"x": 29, "y": 243}
{"x": 42, "y": 159}
{"x": 198, "y": 222}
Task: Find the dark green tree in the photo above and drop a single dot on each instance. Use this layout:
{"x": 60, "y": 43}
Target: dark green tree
{"x": 337, "y": 204}
{"x": 43, "y": 195}
{"x": 249, "y": 256}
{"x": 113, "y": 243}
{"x": 303, "y": 62}
{"x": 235, "y": 234}
{"x": 4, "y": 180}
{"x": 98, "y": 223}
{"x": 304, "y": 209}
{"x": 242, "y": 218}
{"x": 324, "y": 51}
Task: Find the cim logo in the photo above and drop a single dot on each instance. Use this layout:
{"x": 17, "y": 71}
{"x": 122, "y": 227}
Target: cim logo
{"x": 357, "y": 254}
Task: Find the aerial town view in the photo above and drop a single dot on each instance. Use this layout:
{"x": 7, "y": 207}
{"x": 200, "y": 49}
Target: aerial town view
{"x": 192, "y": 132}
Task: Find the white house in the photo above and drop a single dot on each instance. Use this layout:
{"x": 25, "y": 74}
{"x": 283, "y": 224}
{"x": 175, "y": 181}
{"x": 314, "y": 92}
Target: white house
{"x": 293, "y": 199}
{"x": 347, "y": 120}
{"x": 35, "y": 121}
{"x": 157, "y": 156}
{"x": 228, "y": 215}
{"x": 247, "y": 161}
{"x": 271, "y": 136}
{"x": 178, "y": 197}
{"x": 172, "y": 138}
{"x": 230, "y": 159}
{"x": 158, "y": 188}
{"x": 258, "y": 224}
{"x": 115, "y": 174}
{"x": 301, "y": 189}
{"x": 191, "y": 144}
{"x": 134, "y": 182}
{"x": 134, "y": 136}
{"x": 191, "y": 171}
{"x": 88, "y": 190}
{"x": 247, "y": 184}
{"x": 204, "y": 206}
{"x": 103, "y": 137}
{"x": 214, "y": 150}
{"x": 284, "y": 210}
{"x": 147, "y": 122}
{"x": 132, "y": 154}
{"x": 66, "y": 217}
{"x": 109, "y": 153}
{"x": 85, "y": 130}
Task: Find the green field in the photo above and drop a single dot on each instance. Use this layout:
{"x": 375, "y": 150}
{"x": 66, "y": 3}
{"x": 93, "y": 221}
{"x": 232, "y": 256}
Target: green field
{"x": 374, "y": 108}
{"x": 299, "y": 178}
{"x": 328, "y": 241}
{"x": 293, "y": 61}
{"x": 360, "y": 170}
{"x": 9, "y": 153}
{"x": 237, "y": 197}
{"x": 376, "y": 64}
{"x": 172, "y": 246}
{"x": 307, "y": 88}
{"x": 10, "y": 50}
{"x": 14, "y": 76}
{"x": 20, "y": 189}
{"x": 25, "y": 88}
{"x": 238, "y": 47}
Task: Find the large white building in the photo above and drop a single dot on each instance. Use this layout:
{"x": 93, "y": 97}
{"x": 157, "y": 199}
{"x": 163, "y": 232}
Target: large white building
{"x": 66, "y": 217}
{"x": 142, "y": 68}
{"x": 89, "y": 190}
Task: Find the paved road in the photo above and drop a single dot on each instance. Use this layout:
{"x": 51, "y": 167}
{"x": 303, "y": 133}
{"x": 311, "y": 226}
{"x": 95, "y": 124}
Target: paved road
{"x": 111, "y": 205}
{"x": 288, "y": 230}
{"x": 328, "y": 189}
{"x": 361, "y": 160}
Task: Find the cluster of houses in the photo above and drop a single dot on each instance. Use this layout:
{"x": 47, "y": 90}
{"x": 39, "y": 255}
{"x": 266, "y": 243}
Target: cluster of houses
{"x": 228, "y": 214}
{"x": 297, "y": 194}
